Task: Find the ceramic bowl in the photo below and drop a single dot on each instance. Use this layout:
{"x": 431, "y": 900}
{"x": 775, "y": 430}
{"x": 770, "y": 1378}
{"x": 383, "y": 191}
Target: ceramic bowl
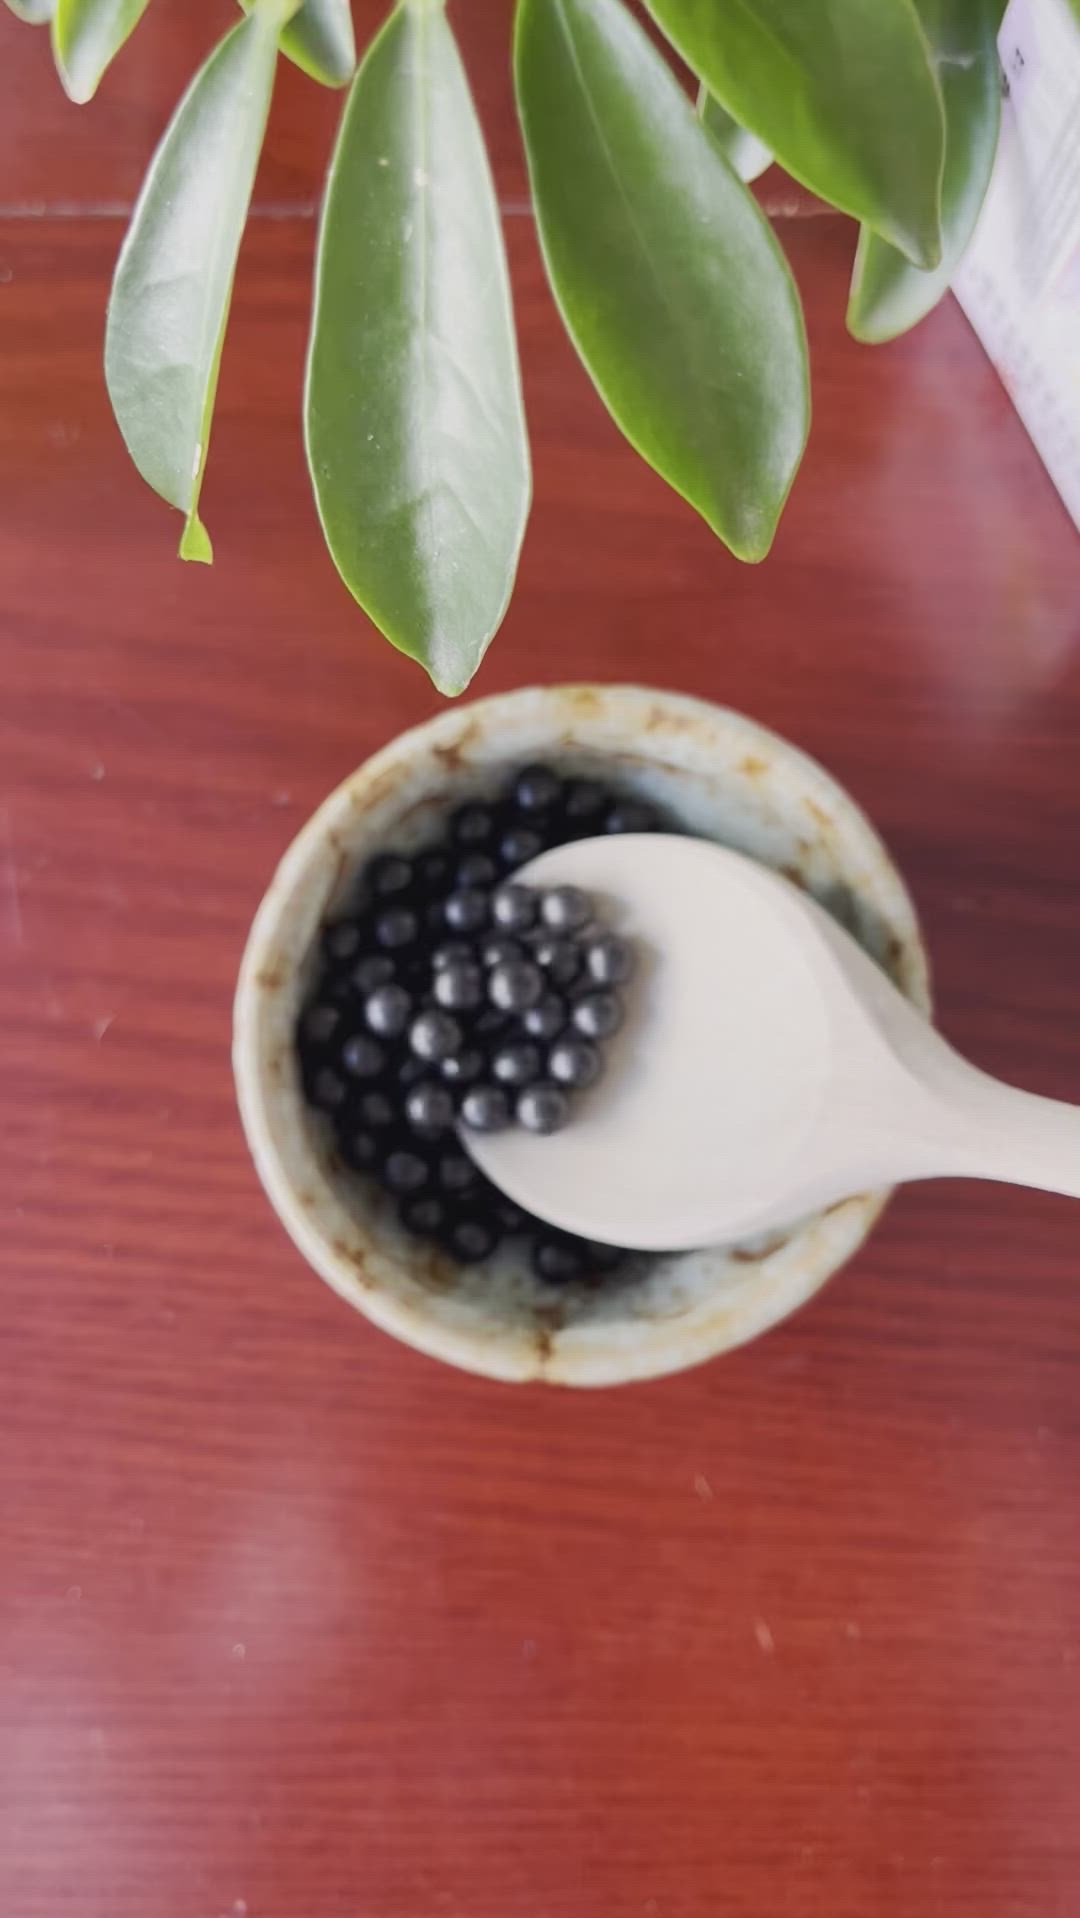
{"x": 722, "y": 776}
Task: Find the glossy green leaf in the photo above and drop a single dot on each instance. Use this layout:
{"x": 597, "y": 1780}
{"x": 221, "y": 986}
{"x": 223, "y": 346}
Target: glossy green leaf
{"x": 36, "y": 13}
{"x": 415, "y": 429}
{"x": 842, "y": 91}
{"x": 85, "y": 36}
{"x": 320, "y": 40}
{"x": 173, "y": 283}
{"x": 888, "y": 294}
{"x": 744, "y": 151}
{"x": 668, "y": 276}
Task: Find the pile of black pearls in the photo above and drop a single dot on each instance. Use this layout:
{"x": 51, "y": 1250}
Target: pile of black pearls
{"x": 451, "y": 993}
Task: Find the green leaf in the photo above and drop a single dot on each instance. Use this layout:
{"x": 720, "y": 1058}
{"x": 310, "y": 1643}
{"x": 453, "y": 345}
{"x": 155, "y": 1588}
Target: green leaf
{"x": 320, "y": 40}
{"x": 415, "y": 429}
{"x": 85, "y": 36}
{"x": 744, "y": 151}
{"x": 36, "y": 13}
{"x": 670, "y": 282}
{"x": 173, "y": 283}
{"x": 842, "y": 91}
{"x": 888, "y": 294}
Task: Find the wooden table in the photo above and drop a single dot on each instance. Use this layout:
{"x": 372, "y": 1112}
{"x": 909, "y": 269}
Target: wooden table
{"x": 296, "y": 1624}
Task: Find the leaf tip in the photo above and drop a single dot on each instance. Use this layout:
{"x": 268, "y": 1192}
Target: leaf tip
{"x": 752, "y": 552}
{"x": 78, "y": 77}
{"x": 869, "y": 320}
{"x": 451, "y": 686}
{"x": 195, "y": 541}
{"x": 862, "y": 328}
{"x": 751, "y": 541}
{"x": 77, "y": 91}
{"x": 923, "y": 245}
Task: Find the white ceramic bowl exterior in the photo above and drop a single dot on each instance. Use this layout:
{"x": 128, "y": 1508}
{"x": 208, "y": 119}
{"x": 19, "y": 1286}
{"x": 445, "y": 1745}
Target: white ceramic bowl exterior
{"x": 721, "y": 776}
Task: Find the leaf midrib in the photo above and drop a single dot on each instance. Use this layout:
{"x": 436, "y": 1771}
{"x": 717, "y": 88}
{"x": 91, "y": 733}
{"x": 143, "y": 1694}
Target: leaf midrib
{"x": 605, "y": 149}
{"x": 209, "y": 335}
{"x": 422, "y": 277}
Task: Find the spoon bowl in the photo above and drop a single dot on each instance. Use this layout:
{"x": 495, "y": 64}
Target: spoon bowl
{"x": 766, "y": 1067}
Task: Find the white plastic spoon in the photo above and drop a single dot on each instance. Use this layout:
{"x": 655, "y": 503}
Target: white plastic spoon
{"x": 766, "y": 1068}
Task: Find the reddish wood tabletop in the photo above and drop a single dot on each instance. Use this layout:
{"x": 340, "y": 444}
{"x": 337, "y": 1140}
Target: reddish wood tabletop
{"x": 295, "y": 1623}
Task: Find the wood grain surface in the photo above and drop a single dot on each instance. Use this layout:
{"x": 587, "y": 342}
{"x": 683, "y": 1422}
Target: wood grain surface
{"x": 293, "y": 1622}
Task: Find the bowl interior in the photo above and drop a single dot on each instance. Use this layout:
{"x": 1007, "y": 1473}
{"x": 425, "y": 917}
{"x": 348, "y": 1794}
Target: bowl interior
{"x": 717, "y": 775}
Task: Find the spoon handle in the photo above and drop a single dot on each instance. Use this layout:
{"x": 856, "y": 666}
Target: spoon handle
{"x": 1017, "y": 1138}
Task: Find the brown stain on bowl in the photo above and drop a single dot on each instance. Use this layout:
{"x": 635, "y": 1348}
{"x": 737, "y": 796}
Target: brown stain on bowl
{"x": 355, "y": 1256}
{"x": 369, "y": 793}
{"x": 340, "y": 853}
{"x": 743, "y": 1255}
{"x": 824, "y": 819}
{"x": 583, "y": 702}
{"x": 271, "y": 978}
{"x": 455, "y": 756}
{"x": 675, "y": 725}
{"x": 752, "y": 767}
{"x": 450, "y": 759}
{"x": 840, "y": 1205}
{"x": 548, "y": 1323}
{"x": 431, "y": 1269}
